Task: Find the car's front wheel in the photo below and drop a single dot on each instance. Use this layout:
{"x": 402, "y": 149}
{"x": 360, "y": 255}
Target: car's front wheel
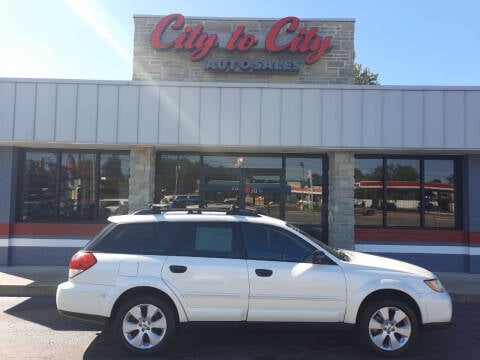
{"x": 145, "y": 324}
{"x": 389, "y": 327}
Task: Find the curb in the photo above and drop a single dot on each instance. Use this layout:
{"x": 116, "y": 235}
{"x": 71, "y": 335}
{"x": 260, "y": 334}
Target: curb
{"x": 466, "y": 298}
{"x": 28, "y": 291}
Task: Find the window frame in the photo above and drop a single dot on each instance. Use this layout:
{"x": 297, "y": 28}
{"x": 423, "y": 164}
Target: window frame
{"x": 19, "y": 203}
{"x": 458, "y": 221}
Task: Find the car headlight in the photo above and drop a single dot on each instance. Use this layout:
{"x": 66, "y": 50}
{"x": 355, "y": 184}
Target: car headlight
{"x": 435, "y": 285}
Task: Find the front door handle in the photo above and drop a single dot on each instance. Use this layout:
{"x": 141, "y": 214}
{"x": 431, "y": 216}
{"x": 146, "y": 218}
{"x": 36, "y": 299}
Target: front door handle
{"x": 263, "y": 272}
{"x": 177, "y": 269}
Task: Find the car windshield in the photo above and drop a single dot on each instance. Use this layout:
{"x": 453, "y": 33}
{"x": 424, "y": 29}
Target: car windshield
{"x": 338, "y": 253}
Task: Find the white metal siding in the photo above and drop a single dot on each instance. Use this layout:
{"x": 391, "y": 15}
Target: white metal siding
{"x": 45, "y": 114}
{"x": 24, "y": 121}
{"x": 239, "y": 115}
{"x": 86, "y": 113}
{"x": 7, "y": 110}
{"x": 66, "y": 117}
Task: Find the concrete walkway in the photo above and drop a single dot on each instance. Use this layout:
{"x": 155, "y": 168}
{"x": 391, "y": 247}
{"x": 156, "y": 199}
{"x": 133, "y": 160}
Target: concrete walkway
{"x": 43, "y": 281}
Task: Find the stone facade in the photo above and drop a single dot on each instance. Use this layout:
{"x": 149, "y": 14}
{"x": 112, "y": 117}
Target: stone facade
{"x": 334, "y": 67}
{"x": 142, "y": 178}
{"x": 341, "y": 221}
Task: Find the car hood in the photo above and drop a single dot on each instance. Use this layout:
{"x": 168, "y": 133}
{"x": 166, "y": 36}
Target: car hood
{"x": 383, "y": 264}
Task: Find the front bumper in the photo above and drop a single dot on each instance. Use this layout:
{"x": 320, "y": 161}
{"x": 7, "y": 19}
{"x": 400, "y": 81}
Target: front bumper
{"x": 437, "y": 309}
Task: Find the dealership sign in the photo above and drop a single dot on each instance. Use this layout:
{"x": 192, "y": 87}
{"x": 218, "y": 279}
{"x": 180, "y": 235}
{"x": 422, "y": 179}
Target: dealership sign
{"x": 198, "y": 43}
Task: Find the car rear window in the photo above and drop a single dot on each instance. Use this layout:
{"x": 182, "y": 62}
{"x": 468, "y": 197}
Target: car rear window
{"x": 139, "y": 238}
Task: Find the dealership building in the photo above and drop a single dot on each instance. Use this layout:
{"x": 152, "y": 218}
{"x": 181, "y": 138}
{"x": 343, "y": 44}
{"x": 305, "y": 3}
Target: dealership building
{"x": 261, "y": 113}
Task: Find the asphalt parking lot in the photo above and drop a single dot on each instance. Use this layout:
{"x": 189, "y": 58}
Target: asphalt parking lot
{"x": 31, "y": 328}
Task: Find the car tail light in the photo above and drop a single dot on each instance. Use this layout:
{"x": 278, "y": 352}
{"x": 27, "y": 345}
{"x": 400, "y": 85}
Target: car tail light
{"x": 80, "y": 262}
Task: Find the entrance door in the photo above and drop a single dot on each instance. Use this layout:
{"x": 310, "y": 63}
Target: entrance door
{"x": 256, "y": 189}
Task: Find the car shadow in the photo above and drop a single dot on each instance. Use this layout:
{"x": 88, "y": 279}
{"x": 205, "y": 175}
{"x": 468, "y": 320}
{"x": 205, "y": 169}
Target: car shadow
{"x": 252, "y": 341}
{"x": 43, "y": 311}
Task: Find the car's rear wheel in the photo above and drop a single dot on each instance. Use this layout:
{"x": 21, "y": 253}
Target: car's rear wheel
{"x": 389, "y": 327}
{"x": 145, "y": 324}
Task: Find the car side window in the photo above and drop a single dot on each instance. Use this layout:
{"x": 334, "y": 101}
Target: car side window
{"x": 208, "y": 239}
{"x": 139, "y": 238}
{"x": 265, "y": 242}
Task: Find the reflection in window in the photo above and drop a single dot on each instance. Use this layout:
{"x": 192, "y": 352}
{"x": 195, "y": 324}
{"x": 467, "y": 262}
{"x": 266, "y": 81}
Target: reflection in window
{"x": 262, "y": 193}
{"x": 304, "y": 198}
{"x": 222, "y": 190}
{"x": 250, "y": 162}
{"x": 368, "y": 192}
{"x": 39, "y": 186}
{"x": 178, "y": 181}
{"x": 74, "y": 196}
{"x": 403, "y": 192}
{"x": 439, "y": 198}
{"x": 114, "y": 176}
{"x": 404, "y": 185}
{"x": 77, "y": 189}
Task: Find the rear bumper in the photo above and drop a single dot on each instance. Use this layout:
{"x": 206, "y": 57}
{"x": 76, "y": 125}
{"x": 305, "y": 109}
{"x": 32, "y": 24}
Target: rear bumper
{"x": 86, "y": 317}
{"x": 85, "y": 300}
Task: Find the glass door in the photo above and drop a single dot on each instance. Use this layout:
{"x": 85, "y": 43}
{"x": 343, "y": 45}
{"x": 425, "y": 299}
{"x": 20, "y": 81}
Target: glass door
{"x": 255, "y": 189}
{"x": 263, "y": 191}
{"x": 221, "y": 188}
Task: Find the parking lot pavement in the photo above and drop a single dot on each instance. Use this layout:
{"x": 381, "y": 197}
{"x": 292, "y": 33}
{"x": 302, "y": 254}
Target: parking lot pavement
{"x": 31, "y": 328}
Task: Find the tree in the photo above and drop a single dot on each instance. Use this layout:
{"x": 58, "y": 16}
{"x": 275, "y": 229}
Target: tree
{"x": 364, "y": 76}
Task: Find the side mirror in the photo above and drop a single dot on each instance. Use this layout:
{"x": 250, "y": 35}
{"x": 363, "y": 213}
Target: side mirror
{"x": 318, "y": 257}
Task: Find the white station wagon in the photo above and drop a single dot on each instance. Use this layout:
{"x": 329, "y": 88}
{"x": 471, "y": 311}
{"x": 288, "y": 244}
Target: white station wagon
{"x": 147, "y": 272}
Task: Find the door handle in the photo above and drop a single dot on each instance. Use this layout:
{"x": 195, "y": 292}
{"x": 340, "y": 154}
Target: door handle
{"x": 263, "y": 272}
{"x": 178, "y": 269}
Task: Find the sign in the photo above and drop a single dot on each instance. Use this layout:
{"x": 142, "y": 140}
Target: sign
{"x": 198, "y": 43}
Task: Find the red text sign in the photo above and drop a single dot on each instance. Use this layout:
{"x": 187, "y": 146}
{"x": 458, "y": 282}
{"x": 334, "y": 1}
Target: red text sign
{"x": 199, "y": 43}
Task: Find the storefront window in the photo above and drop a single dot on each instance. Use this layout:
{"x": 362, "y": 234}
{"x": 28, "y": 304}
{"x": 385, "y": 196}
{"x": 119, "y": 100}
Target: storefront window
{"x": 114, "y": 187}
{"x": 39, "y": 186}
{"x": 439, "y": 195}
{"x": 262, "y": 193}
{"x": 368, "y": 192}
{"x": 403, "y": 192}
{"x": 391, "y": 194}
{"x": 222, "y": 190}
{"x": 65, "y": 185}
{"x": 77, "y": 186}
{"x": 304, "y": 198}
{"x": 247, "y": 162}
{"x": 284, "y": 187}
{"x": 178, "y": 180}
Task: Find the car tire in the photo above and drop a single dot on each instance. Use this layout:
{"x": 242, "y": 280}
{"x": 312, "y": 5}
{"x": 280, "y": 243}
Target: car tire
{"x": 388, "y": 327}
{"x": 145, "y": 324}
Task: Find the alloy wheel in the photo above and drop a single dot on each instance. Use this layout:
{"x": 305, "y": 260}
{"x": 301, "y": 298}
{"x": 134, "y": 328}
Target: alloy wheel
{"x": 390, "y": 328}
{"x": 144, "y": 326}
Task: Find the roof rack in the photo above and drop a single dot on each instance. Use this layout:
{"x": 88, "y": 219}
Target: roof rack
{"x": 156, "y": 209}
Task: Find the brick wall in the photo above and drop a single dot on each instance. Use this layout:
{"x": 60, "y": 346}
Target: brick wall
{"x": 142, "y": 178}
{"x": 340, "y": 199}
{"x": 335, "y": 67}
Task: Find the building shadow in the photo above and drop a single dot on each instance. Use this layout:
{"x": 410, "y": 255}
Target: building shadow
{"x": 43, "y": 311}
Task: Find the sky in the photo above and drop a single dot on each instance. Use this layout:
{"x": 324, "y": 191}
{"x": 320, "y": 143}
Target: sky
{"x": 407, "y": 42}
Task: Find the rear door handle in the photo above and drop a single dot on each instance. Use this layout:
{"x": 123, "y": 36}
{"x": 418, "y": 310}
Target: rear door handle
{"x": 263, "y": 272}
{"x": 178, "y": 269}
